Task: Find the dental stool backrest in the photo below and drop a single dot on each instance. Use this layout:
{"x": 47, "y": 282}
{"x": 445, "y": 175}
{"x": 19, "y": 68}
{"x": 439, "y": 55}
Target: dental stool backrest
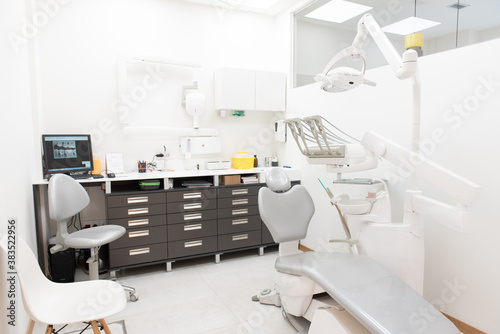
{"x": 286, "y": 211}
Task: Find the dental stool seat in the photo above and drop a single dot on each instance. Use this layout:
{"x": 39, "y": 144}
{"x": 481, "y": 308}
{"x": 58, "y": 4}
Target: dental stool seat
{"x": 378, "y": 299}
{"x": 93, "y": 237}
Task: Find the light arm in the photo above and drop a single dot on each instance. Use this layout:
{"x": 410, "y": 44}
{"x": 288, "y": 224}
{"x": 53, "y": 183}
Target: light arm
{"x": 403, "y": 66}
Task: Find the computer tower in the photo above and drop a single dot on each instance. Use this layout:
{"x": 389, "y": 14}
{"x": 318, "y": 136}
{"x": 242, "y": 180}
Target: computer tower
{"x": 62, "y": 266}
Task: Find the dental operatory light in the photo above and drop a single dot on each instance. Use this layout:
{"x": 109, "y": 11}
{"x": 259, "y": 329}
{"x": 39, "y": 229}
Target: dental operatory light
{"x": 343, "y": 78}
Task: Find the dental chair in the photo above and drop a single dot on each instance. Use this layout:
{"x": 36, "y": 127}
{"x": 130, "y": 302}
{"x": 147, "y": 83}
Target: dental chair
{"x": 362, "y": 295}
{"x": 67, "y": 198}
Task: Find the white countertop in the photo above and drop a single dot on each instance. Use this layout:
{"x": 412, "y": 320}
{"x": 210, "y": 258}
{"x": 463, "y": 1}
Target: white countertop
{"x": 293, "y": 174}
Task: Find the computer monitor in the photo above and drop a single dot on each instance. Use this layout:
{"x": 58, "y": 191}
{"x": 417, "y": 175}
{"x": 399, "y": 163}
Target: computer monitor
{"x": 68, "y": 154}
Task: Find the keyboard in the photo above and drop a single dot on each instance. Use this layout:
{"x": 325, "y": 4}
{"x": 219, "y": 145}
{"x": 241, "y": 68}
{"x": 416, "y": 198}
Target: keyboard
{"x": 81, "y": 176}
{"x": 86, "y": 176}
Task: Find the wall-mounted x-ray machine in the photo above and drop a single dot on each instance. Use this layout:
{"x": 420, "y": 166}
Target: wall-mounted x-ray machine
{"x": 193, "y": 100}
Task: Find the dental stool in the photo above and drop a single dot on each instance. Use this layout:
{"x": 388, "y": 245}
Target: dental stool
{"x": 67, "y": 198}
{"x": 367, "y": 298}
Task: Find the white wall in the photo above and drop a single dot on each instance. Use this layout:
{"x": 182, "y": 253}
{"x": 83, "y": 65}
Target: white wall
{"x": 461, "y": 97}
{"x": 16, "y": 142}
{"x": 78, "y": 56}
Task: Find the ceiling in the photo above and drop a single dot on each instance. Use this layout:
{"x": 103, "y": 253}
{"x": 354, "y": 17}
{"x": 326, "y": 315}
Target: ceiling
{"x": 479, "y": 15}
{"x": 268, "y": 7}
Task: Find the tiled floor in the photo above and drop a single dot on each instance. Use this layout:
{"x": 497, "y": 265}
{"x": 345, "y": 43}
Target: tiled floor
{"x": 201, "y": 297}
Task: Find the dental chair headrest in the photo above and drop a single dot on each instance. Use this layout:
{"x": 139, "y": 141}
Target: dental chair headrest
{"x": 277, "y": 180}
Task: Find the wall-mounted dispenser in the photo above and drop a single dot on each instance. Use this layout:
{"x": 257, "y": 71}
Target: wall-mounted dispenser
{"x": 200, "y": 145}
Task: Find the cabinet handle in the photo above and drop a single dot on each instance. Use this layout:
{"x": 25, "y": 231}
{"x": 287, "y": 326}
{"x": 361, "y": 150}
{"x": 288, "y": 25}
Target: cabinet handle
{"x": 136, "y": 234}
{"x": 240, "y": 237}
{"x": 192, "y": 206}
{"x": 191, "y": 195}
{"x": 193, "y": 216}
{"x": 138, "y": 222}
{"x": 240, "y": 212}
{"x": 192, "y": 227}
{"x": 193, "y": 243}
{"x": 138, "y": 211}
{"x": 138, "y": 251}
{"x": 240, "y": 201}
{"x": 239, "y": 191}
{"x": 240, "y": 221}
{"x": 135, "y": 200}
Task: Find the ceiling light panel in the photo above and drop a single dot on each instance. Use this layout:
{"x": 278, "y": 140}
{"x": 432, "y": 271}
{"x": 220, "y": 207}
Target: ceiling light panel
{"x": 338, "y": 11}
{"x": 409, "y": 25}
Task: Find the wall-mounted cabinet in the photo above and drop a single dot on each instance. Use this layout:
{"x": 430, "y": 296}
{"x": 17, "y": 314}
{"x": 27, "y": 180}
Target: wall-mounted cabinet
{"x": 240, "y": 89}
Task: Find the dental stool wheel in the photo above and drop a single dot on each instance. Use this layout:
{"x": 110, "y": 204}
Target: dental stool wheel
{"x": 132, "y": 297}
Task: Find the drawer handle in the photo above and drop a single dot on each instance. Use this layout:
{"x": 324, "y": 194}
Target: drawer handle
{"x": 240, "y": 201}
{"x": 192, "y": 206}
{"x": 240, "y": 237}
{"x": 191, "y": 195}
{"x": 135, "y": 200}
{"x": 138, "y": 222}
{"x": 138, "y": 211}
{"x": 193, "y": 216}
{"x": 137, "y": 234}
{"x": 240, "y": 212}
{"x": 138, "y": 251}
{"x": 192, "y": 227}
{"x": 193, "y": 243}
{"x": 239, "y": 192}
{"x": 240, "y": 221}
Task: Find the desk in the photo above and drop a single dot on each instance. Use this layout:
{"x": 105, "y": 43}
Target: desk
{"x": 216, "y": 206}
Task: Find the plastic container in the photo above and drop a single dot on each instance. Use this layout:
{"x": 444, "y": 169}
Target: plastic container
{"x": 243, "y": 160}
{"x": 149, "y": 184}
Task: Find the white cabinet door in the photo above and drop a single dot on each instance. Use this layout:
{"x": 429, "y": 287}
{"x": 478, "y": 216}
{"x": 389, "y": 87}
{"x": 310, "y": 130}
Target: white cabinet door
{"x": 270, "y": 91}
{"x": 234, "y": 89}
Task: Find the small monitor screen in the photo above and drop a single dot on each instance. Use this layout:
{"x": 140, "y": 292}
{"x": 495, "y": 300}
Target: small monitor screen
{"x": 67, "y": 154}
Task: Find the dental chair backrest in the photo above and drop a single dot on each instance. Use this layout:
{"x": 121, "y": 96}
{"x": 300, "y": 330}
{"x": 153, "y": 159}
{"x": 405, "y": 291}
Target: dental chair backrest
{"x": 286, "y": 211}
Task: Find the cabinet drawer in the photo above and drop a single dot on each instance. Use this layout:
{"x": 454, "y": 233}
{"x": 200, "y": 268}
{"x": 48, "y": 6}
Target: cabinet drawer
{"x": 191, "y": 205}
{"x": 234, "y": 225}
{"x": 190, "y": 217}
{"x": 141, "y": 236}
{"x": 135, "y": 199}
{"x": 267, "y": 238}
{"x": 238, "y": 191}
{"x": 180, "y": 196}
{"x": 238, "y": 212}
{"x": 239, "y": 240}
{"x": 237, "y": 201}
{"x": 192, "y": 247}
{"x": 133, "y": 255}
{"x": 140, "y": 222}
{"x": 192, "y": 230}
{"x": 137, "y": 211}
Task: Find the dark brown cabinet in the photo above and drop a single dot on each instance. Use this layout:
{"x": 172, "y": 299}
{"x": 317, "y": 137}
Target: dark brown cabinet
{"x": 143, "y": 216}
{"x": 170, "y": 225}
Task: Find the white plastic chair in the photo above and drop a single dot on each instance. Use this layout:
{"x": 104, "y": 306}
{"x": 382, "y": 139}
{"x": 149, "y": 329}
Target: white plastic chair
{"x": 66, "y": 198}
{"x": 63, "y": 303}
